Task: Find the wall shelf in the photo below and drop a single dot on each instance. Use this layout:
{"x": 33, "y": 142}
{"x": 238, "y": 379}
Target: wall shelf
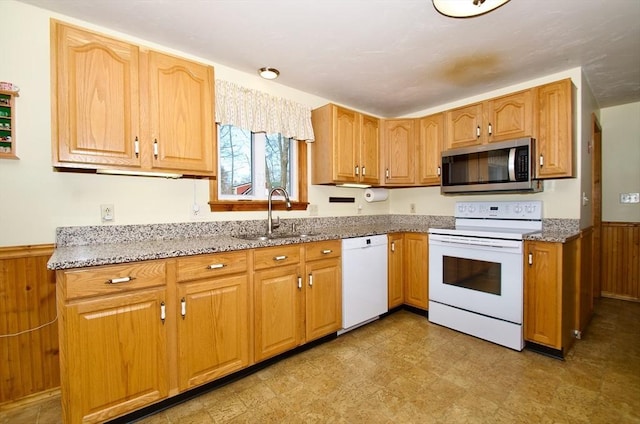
{"x": 7, "y": 125}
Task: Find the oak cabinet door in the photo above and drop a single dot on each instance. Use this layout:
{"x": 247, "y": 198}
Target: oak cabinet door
{"x": 369, "y": 150}
{"x": 278, "y": 310}
{"x": 116, "y": 355}
{"x": 509, "y": 117}
{"x": 213, "y": 332}
{"x": 554, "y": 136}
{"x": 395, "y": 270}
{"x": 345, "y": 144}
{"x": 323, "y": 298}
{"x": 416, "y": 290}
{"x": 543, "y": 293}
{"x": 399, "y": 136}
{"x": 95, "y": 99}
{"x": 180, "y": 113}
{"x": 430, "y": 142}
{"x": 464, "y": 126}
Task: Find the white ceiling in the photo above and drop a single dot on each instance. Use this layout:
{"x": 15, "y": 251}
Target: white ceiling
{"x": 391, "y": 57}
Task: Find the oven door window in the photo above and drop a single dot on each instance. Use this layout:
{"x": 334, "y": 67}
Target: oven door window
{"x": 472, "y": 274}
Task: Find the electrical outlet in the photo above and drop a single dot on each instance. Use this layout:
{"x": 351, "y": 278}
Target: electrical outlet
{"x": 196, "y": 211}
{"x": 629, "y": 197}
{"x": 107, "y": 213}
{"x": 412, "y": 208}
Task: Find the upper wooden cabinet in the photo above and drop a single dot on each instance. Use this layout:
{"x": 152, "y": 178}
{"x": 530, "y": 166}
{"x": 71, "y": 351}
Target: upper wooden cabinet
{"x": 430, "y": 142}
{"x": 399, "y": 141}
{"x": 554, "y": 135}
{"x": 502, "y": 118}
{"x": 118, "y": 106}
{"x": 346, "y": 148}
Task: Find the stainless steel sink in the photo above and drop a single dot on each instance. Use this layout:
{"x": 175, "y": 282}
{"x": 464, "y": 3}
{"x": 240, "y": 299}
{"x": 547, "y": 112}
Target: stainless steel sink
{"x": 265, "y": 237}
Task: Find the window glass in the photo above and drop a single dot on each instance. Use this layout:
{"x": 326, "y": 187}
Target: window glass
{"x": 250, "y": 164}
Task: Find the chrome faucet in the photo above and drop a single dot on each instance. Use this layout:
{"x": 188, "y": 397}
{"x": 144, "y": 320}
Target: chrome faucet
{"x": 270, "y": 224}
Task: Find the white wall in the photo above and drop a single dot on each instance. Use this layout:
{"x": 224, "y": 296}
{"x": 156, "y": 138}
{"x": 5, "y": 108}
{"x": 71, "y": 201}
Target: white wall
{"x": 34, "y": 199}
{"x": 620, "y": 161}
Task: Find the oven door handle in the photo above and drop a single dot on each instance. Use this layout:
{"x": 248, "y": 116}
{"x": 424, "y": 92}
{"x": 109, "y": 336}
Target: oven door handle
{"x": 465, "y": 242}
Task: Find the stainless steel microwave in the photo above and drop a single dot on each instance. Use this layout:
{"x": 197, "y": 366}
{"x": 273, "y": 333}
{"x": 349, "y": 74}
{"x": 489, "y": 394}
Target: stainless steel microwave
{"x": 504, "y": 166}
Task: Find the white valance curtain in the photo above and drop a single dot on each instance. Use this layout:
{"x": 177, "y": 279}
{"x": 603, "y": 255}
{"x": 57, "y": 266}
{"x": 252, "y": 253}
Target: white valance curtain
{"x": 260, "y": 112}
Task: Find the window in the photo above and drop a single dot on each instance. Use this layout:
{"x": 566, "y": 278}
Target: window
{"x": 250, "y": 164}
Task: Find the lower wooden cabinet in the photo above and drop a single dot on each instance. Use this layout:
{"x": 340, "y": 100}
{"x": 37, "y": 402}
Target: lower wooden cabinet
{"x": 113, "y": 347}
{"x": 213, "y": 328}
{"x": 408, "y": 270}
{"x": 292, "y": 307}
{"x": 395, "y": 269}
{"x": 134, "y": 334}
{"x": 550, "y": 279}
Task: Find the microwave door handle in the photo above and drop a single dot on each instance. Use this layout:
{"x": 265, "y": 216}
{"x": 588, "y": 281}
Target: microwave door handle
{"x": 512, "y": 164}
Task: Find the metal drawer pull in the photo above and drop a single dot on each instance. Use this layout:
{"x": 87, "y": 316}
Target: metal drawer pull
{"x": 490, "y": 129}
{"x": 299, "y": 282}
{"x": 183, "y": 307}
{"x": 120, "y": 280}
{"x": 310, "y": 280}
{"x": 364, "y": 171}
{"x": 155, "y": 148}
{"x": 326, "y": 251}
{"x": 163, "y": 312}
{"x": 215, "y": 266}
{"x": 280, "y": 258}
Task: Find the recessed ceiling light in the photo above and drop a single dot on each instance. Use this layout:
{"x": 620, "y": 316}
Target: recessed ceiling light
{"x": 466, "y": 8}
{"x": 269, "y": 73}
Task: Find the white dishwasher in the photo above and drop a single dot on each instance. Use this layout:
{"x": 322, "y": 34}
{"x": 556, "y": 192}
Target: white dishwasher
{"x": 364, "y": 280}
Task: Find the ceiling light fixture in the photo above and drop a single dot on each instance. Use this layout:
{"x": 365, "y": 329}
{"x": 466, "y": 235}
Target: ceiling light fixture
{"x": 466, "y": 8}
{"x": 268, "y": 73}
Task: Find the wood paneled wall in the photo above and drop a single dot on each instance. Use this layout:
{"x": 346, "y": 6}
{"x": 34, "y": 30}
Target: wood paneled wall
{"x": 621, "y": 260}
{"x": 28, "y": 360}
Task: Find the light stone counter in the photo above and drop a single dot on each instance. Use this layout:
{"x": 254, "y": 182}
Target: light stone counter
{"x": 105, "y": 245}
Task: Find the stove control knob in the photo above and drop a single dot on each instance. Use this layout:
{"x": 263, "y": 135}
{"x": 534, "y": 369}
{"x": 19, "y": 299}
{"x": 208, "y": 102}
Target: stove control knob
{"x": 472, "y": 208}
{"x": 530, "y": 208}
{"x": 517, "y": 209}
{"x": 461, "y": 208}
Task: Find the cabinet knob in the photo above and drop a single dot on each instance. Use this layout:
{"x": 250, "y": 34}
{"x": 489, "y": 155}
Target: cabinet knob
{"x": 541, "y": 161}
{"x": 183, "y": 307}
{"x": 163, "y": 312}
{"x": 478, "y": 131}
{"x": 490, "y": 128}
{"x": 310, "y": 280}
{"x": 299, "y": 283}
{"x": 280, "y": 258}
{"x": 357, "y": 170}
{"x": 439, "y": 171}
{"x": 364, "y": 171}
{"x": 326, "y": 251}
{"x": 155, "y": 148}
{"x": 530, "y": 259}
{"x": 215, "y": 266}
{"x": 393, "y": 246}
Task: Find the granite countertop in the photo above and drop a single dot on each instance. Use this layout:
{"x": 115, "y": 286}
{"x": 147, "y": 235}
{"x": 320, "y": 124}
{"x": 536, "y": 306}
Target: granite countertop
{"x": 114, "y": 253}
{"x": 79, "y": 247}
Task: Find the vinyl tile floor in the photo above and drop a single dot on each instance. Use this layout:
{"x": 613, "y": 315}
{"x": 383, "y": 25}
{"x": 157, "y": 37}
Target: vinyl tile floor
{"x": 403, "y": 369}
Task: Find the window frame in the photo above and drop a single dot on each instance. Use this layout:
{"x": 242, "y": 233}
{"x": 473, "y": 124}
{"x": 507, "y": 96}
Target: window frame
{"x": 246, "y": 205}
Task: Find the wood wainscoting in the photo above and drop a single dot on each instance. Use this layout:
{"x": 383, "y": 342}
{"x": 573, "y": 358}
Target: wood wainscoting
{"x": 28, "y": 331}
{"x": 621, "y": 260}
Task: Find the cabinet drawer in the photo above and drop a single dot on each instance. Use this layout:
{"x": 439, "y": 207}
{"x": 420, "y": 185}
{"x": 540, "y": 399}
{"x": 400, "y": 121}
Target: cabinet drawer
{"x": 323, "y": 249}
{"x": 206, "y": 266}
{"x": 275, "y": 256}
{"x": 111, "y": 279}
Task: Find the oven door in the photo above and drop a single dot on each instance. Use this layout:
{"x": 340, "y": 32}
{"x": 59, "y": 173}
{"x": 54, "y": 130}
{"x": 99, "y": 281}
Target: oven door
{"x": 480, "y": 275}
